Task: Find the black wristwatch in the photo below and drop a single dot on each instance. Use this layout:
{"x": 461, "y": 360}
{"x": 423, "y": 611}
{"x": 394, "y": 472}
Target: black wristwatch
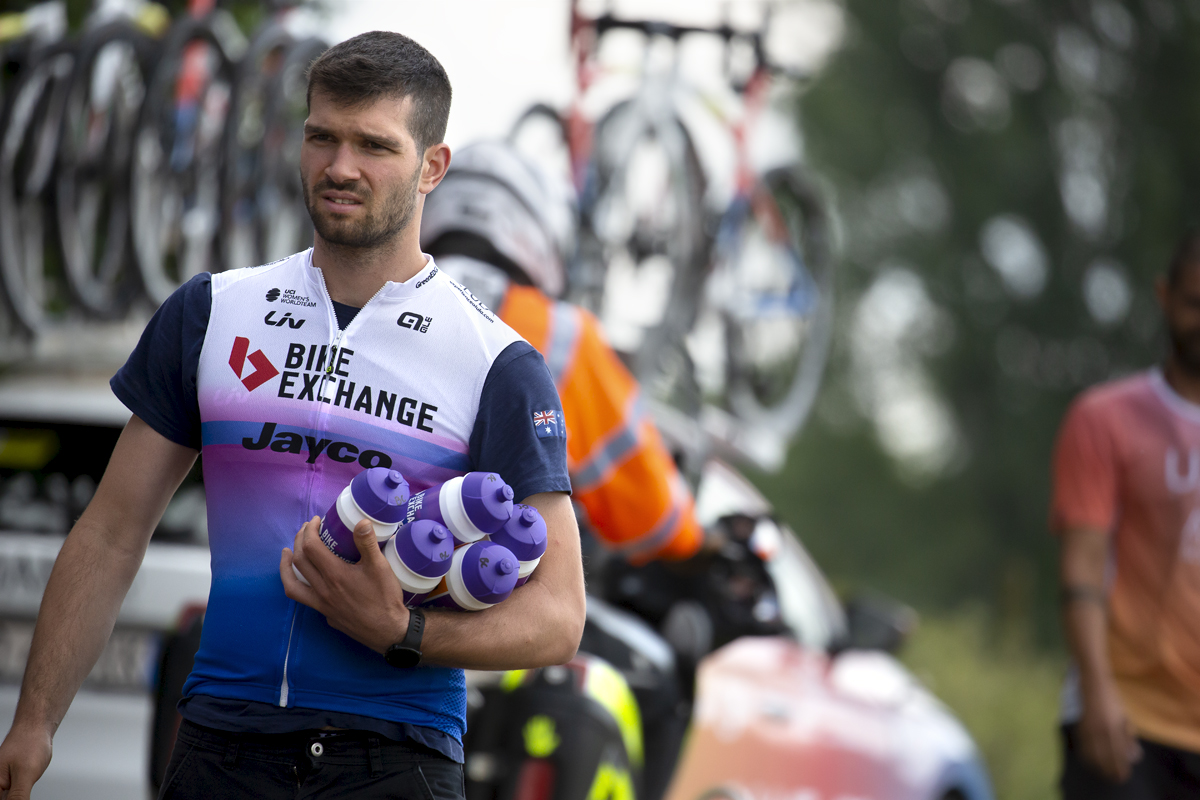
{"x": 407, "y": 651}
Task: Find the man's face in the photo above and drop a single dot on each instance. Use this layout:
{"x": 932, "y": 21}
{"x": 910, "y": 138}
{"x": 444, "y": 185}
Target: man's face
{"x": 1181, "y": 309}
{"x": 360, "y": 170}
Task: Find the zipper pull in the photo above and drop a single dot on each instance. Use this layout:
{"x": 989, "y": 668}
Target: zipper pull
{"x": 333, "y": 353}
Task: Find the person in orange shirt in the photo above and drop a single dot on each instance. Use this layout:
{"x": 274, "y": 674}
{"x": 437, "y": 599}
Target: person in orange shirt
{"x": 1126, "y": 506}
{"x": 500, "y": 226}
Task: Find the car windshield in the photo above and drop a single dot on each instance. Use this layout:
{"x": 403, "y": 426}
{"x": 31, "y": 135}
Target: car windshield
{"x": 49, "y": 472}
{"x": 806, "y": 603}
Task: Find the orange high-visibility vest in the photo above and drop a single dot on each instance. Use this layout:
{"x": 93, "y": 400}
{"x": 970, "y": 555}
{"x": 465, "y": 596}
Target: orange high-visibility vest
{"x": 621, "y": 472}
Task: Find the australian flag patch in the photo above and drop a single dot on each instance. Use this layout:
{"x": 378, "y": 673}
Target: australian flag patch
{"x": 548, "y": 425}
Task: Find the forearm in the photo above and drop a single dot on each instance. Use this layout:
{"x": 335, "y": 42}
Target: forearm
{"x": 1084, "y": 605}
{"x": 79, "y": 608}
{"x": 95, "y": 568}
{"x": 540, "y": 624}
{"x": 1086, "y": 625}
{"x": 532, "y": 628}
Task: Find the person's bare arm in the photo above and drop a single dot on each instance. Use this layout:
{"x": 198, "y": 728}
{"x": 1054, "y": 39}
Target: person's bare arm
{"x": 89, "y": 581}
{"x": 540, "y": 624}
{"x": 1106, "y": 737}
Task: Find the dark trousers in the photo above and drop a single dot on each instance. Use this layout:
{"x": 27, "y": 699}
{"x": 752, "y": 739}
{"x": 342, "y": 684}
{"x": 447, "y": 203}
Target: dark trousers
{"x": 213, "y": 765}
{"x": 1163, "y": 773}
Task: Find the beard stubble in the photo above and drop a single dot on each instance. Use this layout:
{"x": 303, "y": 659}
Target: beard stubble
{"x": 376, "y": 227}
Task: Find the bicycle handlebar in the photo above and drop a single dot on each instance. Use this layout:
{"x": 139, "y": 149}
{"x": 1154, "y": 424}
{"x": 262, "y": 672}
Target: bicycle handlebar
{"x": 726, "y": 32}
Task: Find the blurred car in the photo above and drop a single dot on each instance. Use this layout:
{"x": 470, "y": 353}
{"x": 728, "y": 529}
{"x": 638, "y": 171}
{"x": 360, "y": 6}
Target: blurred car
{"x": 823, "y": 710}
{"x": 57, "y": 431}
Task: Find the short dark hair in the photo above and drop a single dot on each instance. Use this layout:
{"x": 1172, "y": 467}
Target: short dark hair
{"x": 382, "y": 64}
{"x": 1187, "y": 254}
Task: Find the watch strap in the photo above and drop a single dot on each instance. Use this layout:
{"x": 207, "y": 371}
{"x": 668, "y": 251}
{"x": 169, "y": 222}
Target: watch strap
{"x": 407, "y": 651}
{"x": 416, "y": 629}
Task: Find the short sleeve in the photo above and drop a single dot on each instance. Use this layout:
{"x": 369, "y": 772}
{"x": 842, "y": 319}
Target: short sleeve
{"x": 1085, "y": 471}
{"x": 158, "y": 382}
{"x": 519, "y": 430}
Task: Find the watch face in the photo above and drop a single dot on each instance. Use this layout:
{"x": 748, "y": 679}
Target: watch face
{"x": 399, "y": 656}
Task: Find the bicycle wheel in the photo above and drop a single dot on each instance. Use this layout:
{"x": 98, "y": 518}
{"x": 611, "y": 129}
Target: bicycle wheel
{"x": 285, "y": 226}
{"x": 92, "y": 185}
{"x": 175, "y": 184}
{"x": 543, "y": 136}
{"x": 256, "y": 76}
{"x": 28, "y": 152}
{"x": 773, "y": 289}
{"x": 643, "y": 215}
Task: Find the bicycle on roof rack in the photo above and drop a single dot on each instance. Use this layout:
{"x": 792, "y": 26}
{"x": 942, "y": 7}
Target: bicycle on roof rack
{"x": 263, "y": 211}
{"x": 175, "y": 176}
{"x": 69, "y": 116}
{"x": 745, "y": 288}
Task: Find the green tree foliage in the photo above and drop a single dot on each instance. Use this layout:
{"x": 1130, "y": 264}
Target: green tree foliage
{"x": 1026, "y": 166}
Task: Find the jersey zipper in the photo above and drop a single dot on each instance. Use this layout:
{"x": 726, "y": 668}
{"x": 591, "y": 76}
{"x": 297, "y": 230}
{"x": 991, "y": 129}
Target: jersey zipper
{"x": 326, "y": 383}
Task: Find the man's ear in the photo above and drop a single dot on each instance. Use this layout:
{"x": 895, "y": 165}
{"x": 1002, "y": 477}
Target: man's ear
{"x": 1161, "y": 289}
{"x": 433, "y": 168}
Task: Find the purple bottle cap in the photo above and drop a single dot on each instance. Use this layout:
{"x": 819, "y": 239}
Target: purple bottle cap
{"x": 489, "y": 572}
{"x": 381, "y": 493}
{"x": 425, "y": 547}
{"x": 487, "y": 499}
{"x": 524, "y": 533}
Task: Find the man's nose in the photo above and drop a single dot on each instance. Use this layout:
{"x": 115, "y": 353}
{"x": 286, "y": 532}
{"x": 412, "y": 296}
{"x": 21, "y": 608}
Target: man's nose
{"x": 343, "y": 168}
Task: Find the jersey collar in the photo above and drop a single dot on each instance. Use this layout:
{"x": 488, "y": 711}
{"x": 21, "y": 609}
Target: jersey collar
{"x": 391, "y": 290}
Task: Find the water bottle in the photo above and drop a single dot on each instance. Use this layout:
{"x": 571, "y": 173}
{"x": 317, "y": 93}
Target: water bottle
{"x": 420, "y": 554}
{"x": 378, "y": 494}
{"x": 525, "y": 535}
{"x": 481, "y": 575}
{"x": 470, "y": 506}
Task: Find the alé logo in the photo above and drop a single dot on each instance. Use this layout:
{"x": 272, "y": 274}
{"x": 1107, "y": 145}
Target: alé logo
{"x": 264, "y": 370}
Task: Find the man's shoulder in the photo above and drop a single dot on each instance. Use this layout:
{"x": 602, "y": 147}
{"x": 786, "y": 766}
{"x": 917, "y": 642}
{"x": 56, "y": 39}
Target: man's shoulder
{"x": 1117, "y": 393}
{"x": 225, "y": 280}
{"x": 470, "y": 317}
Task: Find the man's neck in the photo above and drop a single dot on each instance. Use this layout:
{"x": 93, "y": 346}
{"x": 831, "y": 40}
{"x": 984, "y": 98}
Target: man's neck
{"x": 354, "y": 274}
{"x": 1185, "y": 382}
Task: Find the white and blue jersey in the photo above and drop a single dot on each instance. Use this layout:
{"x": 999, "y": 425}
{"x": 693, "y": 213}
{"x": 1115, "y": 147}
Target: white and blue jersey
{"x": 286, "y": 404}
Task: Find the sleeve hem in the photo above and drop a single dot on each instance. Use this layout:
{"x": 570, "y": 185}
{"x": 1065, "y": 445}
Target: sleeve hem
{"x": 529, "y": 488}
{"x": 148, "y": 415}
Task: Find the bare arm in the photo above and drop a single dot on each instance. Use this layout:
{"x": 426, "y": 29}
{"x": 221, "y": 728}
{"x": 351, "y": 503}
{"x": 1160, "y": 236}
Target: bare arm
{"x": 89, "y": 581}
{"x": 1106, "y": 737}
{"x": 540, "y": 624}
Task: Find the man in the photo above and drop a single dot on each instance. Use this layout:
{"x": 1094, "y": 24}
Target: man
{"x": 504, "y": 229}
{"x": 1127, "y": 508}
{"x": 316, "y": 690}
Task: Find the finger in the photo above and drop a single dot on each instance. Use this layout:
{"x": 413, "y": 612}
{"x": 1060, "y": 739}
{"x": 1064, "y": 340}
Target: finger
{"x": 307, "y": 549}
{"x": 21, "y": 788}
{"x": 1117, "y": 756}
{"x": 298, "y": 542}
{"x": 293, "y": 587}
{"x": 366, "y": 543}
{"x": 1094, "y": 744}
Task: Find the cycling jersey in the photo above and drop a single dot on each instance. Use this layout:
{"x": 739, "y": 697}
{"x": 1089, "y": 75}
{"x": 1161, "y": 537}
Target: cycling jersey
{"x": 424, "y": 379}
